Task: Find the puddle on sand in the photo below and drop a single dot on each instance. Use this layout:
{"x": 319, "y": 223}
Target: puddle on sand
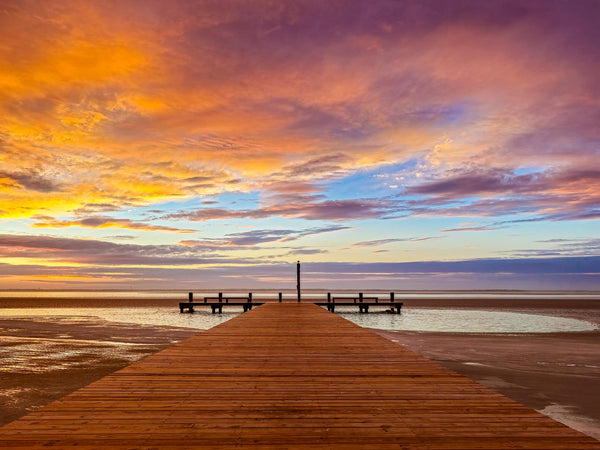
{"x": 160, "y": 316}
{"x": 37, "y": 355}
{"x": 465, "y": 321}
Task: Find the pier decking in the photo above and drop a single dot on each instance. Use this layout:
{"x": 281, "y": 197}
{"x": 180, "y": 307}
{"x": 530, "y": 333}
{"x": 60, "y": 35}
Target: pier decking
{"x": 288, "y": 375}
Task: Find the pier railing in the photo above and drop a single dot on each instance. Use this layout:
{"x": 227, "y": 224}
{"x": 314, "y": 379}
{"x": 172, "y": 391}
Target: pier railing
{"x": 363, "y": 302}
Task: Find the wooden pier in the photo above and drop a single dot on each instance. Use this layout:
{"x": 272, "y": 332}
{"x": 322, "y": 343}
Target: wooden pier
{"x": 362, "y": 302}
{"x": 246, "y": 302}
{"x": 288, "y": 375}
{"x": 216, "y": 303}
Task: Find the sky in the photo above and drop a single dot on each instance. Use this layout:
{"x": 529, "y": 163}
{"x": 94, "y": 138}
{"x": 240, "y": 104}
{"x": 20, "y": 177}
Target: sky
{"x": 384, "y": 144}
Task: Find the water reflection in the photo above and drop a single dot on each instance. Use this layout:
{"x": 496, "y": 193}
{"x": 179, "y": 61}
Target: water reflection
{"x": 31, "y": 355}
{"x": 412, "y": 319}
{"x": 466, "y": 321}
{"x": 162, "y": 316}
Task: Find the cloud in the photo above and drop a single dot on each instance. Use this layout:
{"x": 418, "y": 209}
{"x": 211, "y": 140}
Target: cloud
{"x": 306, "y": 251}
{"x": 310, "y": 209}
{"x": 104, "y": 222}
{"x": 94, "y": 208}
{"x": 329, "y": 166}
{"x": 556, "y": 194}
{"x": 94, "y": 252}
{"x": 153, "y": 94}
{"x": 32, "y": 180}
{"x": 510, "y": 273}
{"x": 257, "y": 237}
{"x": 580, "y": 265}
{"x": 476, "y": 182}
{"x": 480, "y": 228}
{"x": 379, "y": 242}
{"x": 564, "y": 247}
{"x": 104, "y": 253}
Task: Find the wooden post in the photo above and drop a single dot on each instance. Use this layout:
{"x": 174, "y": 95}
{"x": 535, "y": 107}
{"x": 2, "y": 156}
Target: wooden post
{"x": 360, "y": 297}
{"x": 280, "y": 297}
{"x": 249, "y": 297}
{"x": 329, "y": 297}
{"x": 298, "y": 279}
{"x": 191, "y": 296}
{"x": 391, "y": 297}
{"x": 220, "y": 297}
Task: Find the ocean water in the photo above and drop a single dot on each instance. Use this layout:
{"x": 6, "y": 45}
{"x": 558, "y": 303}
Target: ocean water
{"x": 411, "y": 319}
{"x": 309, "y": 294}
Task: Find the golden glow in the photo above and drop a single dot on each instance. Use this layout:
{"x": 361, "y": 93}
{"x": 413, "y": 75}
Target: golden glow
{"x": 74, "y": 63}
{"x": 47, "y": 262}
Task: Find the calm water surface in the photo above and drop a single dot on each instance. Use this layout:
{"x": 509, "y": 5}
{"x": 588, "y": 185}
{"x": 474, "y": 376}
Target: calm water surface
{"x": 411, "y": 319}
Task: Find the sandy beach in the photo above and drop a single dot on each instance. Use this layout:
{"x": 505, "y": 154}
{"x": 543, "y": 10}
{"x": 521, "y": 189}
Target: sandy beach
{"x": 555, "y": 373}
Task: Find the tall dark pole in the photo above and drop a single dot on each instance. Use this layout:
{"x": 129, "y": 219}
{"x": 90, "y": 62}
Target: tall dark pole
{"x": 298, "y": 278}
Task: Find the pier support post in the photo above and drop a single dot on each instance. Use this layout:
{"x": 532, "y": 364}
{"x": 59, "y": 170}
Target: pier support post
{"x": 249, "y": 297}
{"x": 190, "y": 296}
{"x": 329, "y": 297}
{"x": 298, "y": 279}
{"x": 220, "y": 297}
{"x": 391, "y": 297}
{"x": 360, "y": 297}
{"x": 280, "y": 297}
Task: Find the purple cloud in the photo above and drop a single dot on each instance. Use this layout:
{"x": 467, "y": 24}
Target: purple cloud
{"x": 379, "y": 242}
{"x": 337, "y": 210}
{"x": 32, "y": 180}
{"x": 90, "y": 251}
{"x": 566, "y": 194}
{"x": 480, "y": 228}
{"x": 105, "y": 222}
{"x": 255, "y": 237}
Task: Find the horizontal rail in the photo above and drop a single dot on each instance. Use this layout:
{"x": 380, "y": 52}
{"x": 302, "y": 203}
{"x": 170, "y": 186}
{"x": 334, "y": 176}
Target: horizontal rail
{"x": 362, "y": 301}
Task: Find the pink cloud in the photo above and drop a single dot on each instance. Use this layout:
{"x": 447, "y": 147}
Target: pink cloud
{"x": 105, "y": 222}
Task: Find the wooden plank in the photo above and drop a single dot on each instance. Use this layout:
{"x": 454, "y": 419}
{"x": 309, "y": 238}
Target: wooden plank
{"x": 288, "y": 375}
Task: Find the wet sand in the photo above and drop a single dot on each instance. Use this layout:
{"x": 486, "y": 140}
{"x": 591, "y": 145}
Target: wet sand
{"x": 43, "y": 360}
{"x": 556, "y": 373}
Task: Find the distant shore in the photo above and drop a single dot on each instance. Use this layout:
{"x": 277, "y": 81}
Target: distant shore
{"x": 557, "y": 373}
{"x": 562, "y": 303}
